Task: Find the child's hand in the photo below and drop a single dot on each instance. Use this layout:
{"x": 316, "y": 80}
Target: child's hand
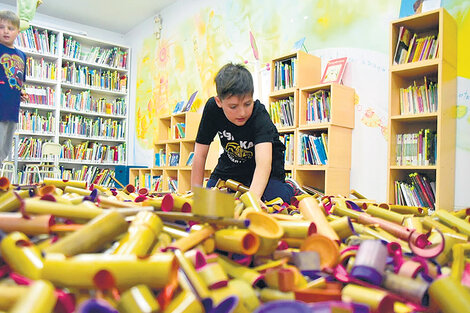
{"x": 24, "y": 95}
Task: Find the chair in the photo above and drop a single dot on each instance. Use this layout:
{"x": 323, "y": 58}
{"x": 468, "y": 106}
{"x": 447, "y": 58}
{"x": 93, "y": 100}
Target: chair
{"x": 48, "y": 168}
{"x": 9, "y": 171}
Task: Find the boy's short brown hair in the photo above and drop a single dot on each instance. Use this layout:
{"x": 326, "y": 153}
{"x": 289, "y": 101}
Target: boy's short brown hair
{"x": 6, "y": 15}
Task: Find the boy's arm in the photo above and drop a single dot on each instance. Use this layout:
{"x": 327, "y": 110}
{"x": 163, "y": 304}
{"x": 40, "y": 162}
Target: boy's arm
{"x": 199, "y": 162}
{"x": 263, "y": 159}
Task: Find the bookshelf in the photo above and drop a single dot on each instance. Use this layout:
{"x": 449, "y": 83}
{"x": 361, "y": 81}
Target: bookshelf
{"x": 78, "y": 97}
{"x": 294, "y": 79}
{"x": 426, "y": 110}
{"x": 330, "y": 136}
{"x": 176, "y": 137}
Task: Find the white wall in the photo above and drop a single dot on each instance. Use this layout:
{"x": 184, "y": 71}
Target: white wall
{"x": 60, "y": 24}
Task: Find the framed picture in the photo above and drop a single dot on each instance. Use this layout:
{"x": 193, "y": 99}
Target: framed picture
{"x": 334, "y": 71}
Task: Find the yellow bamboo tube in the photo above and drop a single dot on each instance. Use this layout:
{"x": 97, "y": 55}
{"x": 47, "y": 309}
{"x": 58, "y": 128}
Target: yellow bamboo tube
{"x": 192, "y": 239}
{"x": 91, "y": 237}
{"x": 429, "y": 222}
{"x": 21, "y": 255}
{"x": 213, "y": 275}
{"x": 40, "y": 298}
{"x": 138, "y": 299}
{"x": 223, "y": 298}
{"x": 185, "y": 302}
{"x": 298, "y": 229}
{"x": 195, "y": 280}
{"x": 172, "y": 202}
{"x": 163, "y": 240}
{"x": 268, "y": 294}
{"x": 238, "y": 271}
{"x": 377, "y": 300}
{"x": 343, "y": 210}
{"x": 34, "y": 206}
{"x": 154, "y": 202}
{"x": 245, "y": 293}
{"x": 9, "y": 295}
{"x": 141, "y": 234}
{"x": 317, "y": 283}
{"x": 449, "y": 295}
{"x": 112, "y": 202}
{"x": 47, "y": 189}
{"x": 236, "y": 186}
{"x": 458, "y": 260}
{"x": 130, "y": 212}
{"x": 357, "y": 194}
{"x": 381, "y": 234}
{"x": 405, "y": 209}
{"x": 453, "y": 221}
{"x": 310, "y": 209}
{"x": 385, "y": 214}
{"x": 34, "y": 225}
{"x": 126, "y": 271}
{"x": 462, "y": 213}
{"x": 267, "y": 229}
{"x": 4, "y": 183}
{"x": 250, "y": 201}
{"x": 239, "y": 241}
{"x": 64, "y": 183}
{"x": 343, "y": 227}
{"x": 9, "y": 202}
{"x": 412, "y": 222}
{"x": 175, "y": 232}
{"x": 450, "y": 240}
{"x": 78, "y": 191}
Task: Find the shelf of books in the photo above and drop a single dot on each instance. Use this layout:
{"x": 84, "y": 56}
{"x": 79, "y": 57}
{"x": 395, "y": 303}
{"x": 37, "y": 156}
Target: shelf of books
{"x": 174, "y": 152}
{"x": 77, "y": 96}
{"x": 324, "y": 135}
{"x": 421, "y": 162}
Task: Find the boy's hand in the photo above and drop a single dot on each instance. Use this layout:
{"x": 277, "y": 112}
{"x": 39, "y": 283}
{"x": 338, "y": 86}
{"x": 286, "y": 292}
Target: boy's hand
{"x": 24, "y": 95}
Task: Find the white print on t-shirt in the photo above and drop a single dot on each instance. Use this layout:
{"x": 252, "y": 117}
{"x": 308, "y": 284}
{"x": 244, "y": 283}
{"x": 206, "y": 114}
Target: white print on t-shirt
{"x": 237, "y": 152}
{"x": 226, "y": 134}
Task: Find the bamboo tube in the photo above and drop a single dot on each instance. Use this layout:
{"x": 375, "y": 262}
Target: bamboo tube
{"x": 218, "y": 221}
{"x": 343, "y": 210}
{"x": 141, "y": 235}
{"x": 449, "y": 295}
{"x": 239, "y": 241}
{"x": 21, "y": 255}
{"x": 212, "y": 202}
{"x": 238, "y": 271}
{"x": 47, "y": 189}
{"x": 411, "y": 289}
{"x": 156, "y": 203}
{"x": 9, "y": 202}
{"x": 92, "y": 237}
{"x": 9, "y": 295}
{"x": 268, "y": 294}
{"x": 357, "y": 194}
{"x": 236, "y": 186}
{"x": 172, "y": 202}
{"x": 378, "y": 301}
{"x": 112, "y": 202}
{"x": 429, "y": 222}
{"x": 4, "y": 183}
{"x": 298, "y": 229}
{"x": 40, "y": 298}
{"x": 213, "y": 275}
{"x": 343, "y": 227}
{"x": 34, "y": 225}
{"x": 78, "y": 191}
{"x": 387, "y": 215}
{"x": 462, "y": 213}
{"x": 192, "y": 239}
{"x": 62, "y": 183}
{"x": 405, "y": 209}
{"x": 453, "y": 221}
{"x": 138, "y": 299}
{"x": 249, "y": 200}
{"x": 34, "y": 206}
{"x": 185, "y": 302}
{"x": 370, "y": 261}
{"x": 310, "y": 209}
{"x": 85, "y": 270}
{"x": 412, "y": 222}
{"x": 194, "y": 279}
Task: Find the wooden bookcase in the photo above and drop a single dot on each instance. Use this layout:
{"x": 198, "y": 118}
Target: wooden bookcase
{"x": 333, "y": 177}
{"x": 169, "y": 141}
{"x": 441, "y": 70}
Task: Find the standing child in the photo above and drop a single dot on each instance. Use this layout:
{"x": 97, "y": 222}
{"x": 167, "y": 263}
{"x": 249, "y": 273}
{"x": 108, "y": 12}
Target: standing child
{"x": 253, "y": 153}
{"x": 12, "y": 77}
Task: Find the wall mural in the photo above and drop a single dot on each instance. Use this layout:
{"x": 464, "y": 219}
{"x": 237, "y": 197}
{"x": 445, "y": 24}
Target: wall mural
{"x": 210, "y": 33}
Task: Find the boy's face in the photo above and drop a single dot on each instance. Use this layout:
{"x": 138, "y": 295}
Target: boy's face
{"x": 237, "y": 109}
{"x": 8, "y": 33}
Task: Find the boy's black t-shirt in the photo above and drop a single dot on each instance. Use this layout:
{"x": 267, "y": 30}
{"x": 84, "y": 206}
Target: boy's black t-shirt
{"x": 238, "y": 159}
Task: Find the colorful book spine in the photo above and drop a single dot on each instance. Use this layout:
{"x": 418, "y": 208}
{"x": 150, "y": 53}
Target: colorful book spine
{"x": 40, "y": 95}
{"x": 84, "y": 101}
